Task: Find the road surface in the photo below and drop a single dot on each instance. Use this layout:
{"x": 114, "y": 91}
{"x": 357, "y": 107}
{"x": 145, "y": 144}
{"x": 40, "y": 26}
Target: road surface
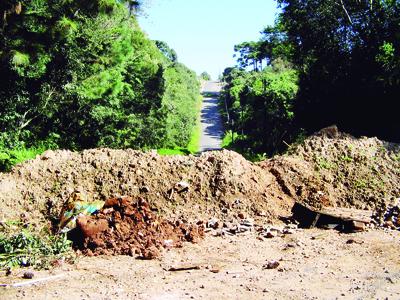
{"x": 212, "y": 130}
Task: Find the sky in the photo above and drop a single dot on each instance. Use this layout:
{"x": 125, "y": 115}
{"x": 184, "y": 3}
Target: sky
{"x": 203, "y": 32}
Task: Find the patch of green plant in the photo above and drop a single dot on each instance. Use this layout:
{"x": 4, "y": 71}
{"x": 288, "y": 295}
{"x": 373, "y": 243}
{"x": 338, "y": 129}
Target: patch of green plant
{"x": 174, "y": 151}
{"x": 346, "y": 158}
{"x": 39, "y": 251}
{"x": 229, "y": 138}
{"x": 360, "y": 184}
{"x": 396, "y": 156}
{"x": 323, "y": 163}
{"x": 9, "y": 158}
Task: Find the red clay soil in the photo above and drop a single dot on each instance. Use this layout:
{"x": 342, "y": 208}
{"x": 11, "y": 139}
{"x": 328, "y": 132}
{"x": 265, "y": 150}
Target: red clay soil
{"x": 128, "y": 227}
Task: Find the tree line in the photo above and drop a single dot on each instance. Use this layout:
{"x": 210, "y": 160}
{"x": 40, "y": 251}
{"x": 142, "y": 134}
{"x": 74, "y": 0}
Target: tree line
{"x": 322, "y": 63}
{"x": 82, "y": 74}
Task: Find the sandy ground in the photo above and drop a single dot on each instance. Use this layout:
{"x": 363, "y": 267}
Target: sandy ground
{"x": 313, "y": 264}
{"x": 211, "y": 123}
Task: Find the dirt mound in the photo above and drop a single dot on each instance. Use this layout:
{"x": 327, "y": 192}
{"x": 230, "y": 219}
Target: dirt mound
{"x": 327, "y": 169}
{"x": 220, "y": 183}
{"x": 128, "y": 227}
{"x": 340, "y": 170}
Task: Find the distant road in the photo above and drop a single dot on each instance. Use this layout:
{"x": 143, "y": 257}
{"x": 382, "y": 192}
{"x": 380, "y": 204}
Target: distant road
{"x": 212, "y": 130}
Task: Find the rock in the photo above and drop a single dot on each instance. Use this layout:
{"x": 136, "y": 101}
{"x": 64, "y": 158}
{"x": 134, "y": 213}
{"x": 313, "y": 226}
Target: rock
{"x": 269, "y": 235}
{"x": 272, "y": 264}
{"x": 90, "y": 227}
{"x": 213, "y": 223}
{"x": 28, "y": 275}
{"x": 357, "y": 226}
{"x": 151, "y": 253}
{"x": 144, "y": 189}
{"x": 247, "y": 222}
{"x": 240, "y": 215}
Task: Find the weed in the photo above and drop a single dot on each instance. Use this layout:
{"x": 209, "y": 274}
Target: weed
{"x": 346, "y": 158}
{"x": 28, "y": 249}
{"x": 360, "y": 184}
{"x": 323, "y": 163}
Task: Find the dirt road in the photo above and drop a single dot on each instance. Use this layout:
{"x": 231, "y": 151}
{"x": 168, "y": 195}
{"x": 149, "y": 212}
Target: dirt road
{"x": 211, "y": 123}
{"x": 313, "y": 264}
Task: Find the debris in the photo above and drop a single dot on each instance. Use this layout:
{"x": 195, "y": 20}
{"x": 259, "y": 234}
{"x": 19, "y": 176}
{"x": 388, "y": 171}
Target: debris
{"x": 77, "y": 205}
{"x": 388, "y": 216}
{"x": 344, "y": 219}
{"x": 272, "y": 264}
{"x": 183, "y": 268}
{"x": 213, "y": 223}
{"x": 354, "y": 241}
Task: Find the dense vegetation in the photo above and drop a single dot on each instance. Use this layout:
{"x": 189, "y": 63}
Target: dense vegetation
{"x": 82, "y": 74}
{"x": 323, "y": 63}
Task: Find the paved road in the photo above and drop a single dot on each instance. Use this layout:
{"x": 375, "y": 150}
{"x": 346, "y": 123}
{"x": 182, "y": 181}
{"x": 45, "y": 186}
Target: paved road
{"x": 212, "y": 129}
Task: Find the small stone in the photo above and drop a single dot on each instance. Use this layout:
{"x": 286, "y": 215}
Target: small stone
{"x": 269, "y": 235}
{"x": 145, "y": 189}
{"x": 213, "y": 223}
{"x": 241, "y": 216}
{"x": 214, "y": 270}
{"x": 28, "y": 275}
{"x": 272, "y": 264}
{"x": 357, "y": 226}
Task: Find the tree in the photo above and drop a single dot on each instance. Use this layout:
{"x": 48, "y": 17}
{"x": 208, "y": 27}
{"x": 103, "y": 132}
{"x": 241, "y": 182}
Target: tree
{"x": 168, "y": 52}
{"x": 83, "y": 74}
{"x": 205, "y": 76}
{"x": 347, "y": 53}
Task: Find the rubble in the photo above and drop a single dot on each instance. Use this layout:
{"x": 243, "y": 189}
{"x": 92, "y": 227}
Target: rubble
{"x": 349, "y": 220}
{"x": 388, "y": 216}
{"x": 127, "y": 226}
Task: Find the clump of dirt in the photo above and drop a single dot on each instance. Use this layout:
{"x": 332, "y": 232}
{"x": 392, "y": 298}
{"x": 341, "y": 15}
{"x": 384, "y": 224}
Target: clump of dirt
{"x": 128, "y": 227}
{"x": 336, "y": 169}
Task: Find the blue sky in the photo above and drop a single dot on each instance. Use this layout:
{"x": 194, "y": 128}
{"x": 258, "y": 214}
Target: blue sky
{"x": 204, "y": 32}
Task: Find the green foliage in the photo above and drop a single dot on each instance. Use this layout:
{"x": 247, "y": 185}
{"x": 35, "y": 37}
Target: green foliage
{"x": 9, "y": 158}
{"x": 28, "y": 249}
{"x": 347, "y": 53}
{"x": 168, "y": 52}
{"x": 86, "y": 73}
{"x": 260, "y": 105}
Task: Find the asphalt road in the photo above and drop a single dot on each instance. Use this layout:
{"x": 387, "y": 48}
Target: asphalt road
{"x": 211, "y": 123}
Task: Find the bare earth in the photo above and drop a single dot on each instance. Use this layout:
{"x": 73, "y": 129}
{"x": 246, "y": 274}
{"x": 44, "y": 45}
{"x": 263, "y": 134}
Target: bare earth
{"x": 313, "y": 264}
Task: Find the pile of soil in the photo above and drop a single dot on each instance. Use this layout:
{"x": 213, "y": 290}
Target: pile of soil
{"x": 335, "y": 169}
{"x": 327, "y": 169}
{"x": 128, "y": 227}
{"x": 219, "y": 183}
